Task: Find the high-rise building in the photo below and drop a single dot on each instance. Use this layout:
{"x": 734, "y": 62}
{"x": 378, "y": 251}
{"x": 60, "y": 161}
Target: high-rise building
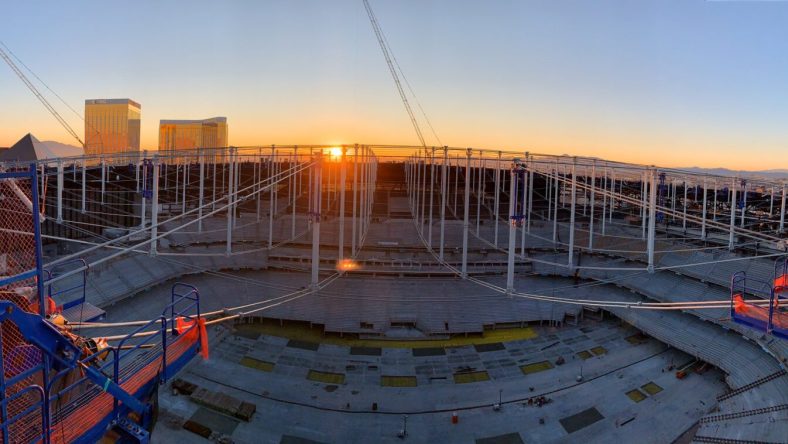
{"x": 112, "y": 126}
{"x": 190, "y": 134}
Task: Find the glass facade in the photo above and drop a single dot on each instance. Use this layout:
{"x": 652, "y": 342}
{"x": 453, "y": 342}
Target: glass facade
{"x": 112, "y": 126}
{"x": 191, "y": 134}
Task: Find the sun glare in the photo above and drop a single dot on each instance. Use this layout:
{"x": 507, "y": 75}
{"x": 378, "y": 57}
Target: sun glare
{"x": 335, "y": 152}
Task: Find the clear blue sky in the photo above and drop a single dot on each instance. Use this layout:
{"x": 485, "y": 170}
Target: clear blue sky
{"x": 675, "y": 83}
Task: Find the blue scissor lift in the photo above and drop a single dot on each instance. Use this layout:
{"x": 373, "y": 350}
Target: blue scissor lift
{"x": 770, "y": 319}
{"x": 57, "y": 386}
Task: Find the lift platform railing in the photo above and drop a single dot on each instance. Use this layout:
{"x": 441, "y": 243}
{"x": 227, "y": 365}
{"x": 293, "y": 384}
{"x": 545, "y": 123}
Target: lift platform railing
{"x": 136, "y": 365}
{"x": 76, "y": 285}
{"x": 746, "y": 313}
{"x": 779, "y": 317}
{"x": 183, "y": 294}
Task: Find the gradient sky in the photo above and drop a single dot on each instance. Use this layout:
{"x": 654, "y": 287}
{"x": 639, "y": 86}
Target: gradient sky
{"x": 674, "y": 83}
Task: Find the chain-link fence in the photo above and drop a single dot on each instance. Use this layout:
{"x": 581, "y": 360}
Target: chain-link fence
{"x": 23, "y": 374}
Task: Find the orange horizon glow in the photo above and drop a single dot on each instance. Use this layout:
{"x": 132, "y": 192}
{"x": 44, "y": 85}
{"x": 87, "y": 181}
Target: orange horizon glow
{"x": 658, "y": 151}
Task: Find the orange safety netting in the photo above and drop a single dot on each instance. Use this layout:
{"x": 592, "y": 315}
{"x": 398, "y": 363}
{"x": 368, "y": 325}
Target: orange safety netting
{"x": 751, "y": 311}
{"x": 182, "y": 324}
{"x": 779, "y": 319}
{"x": 79, "y": 421}
{"x": 781, "y": 284}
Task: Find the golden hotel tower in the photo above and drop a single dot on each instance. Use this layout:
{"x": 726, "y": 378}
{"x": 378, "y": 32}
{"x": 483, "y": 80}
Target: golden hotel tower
{"x": 112, "y": 126}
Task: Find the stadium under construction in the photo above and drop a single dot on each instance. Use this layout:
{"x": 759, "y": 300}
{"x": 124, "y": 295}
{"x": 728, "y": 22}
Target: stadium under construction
{"x": 300, "y": 294}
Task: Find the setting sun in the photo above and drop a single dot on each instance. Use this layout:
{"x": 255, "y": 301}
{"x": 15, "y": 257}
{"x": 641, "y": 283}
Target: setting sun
{"x": 335, "y": 152}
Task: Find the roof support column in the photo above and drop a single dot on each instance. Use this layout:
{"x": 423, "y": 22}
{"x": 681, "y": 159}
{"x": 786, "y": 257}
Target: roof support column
{"x": 443, "y": 201}
{"x": 136, "y": 173}
{"x": 154, "y": 207}
{"x": 524, "y": 210}
{"x": 230, "y": 201}
{"x": 103, "y": 179}
{"x": 782, "y": 212}
{"x": 213, "y": 198}
{"x": 456, "y": 185}
{"x": 571, "y": 262}
{"x": 530, "y": 197}
{"x": 557, "y": 196}
{"x": 201, "y": 198}
{"x": 604, "y": 200}
{"x": 684, "y": 213}
{"x": 423, "y": 190}
{"x": 513, "y": 171}
{"x": 185, "y": 184}
{"x": 771, "y": 203}
{"x": 177, "y": 179}
{"x": 342, "y": 177}
{"x": 432, "y": 192}
{"x": 612, "y": 195}
{"x": 643, "y": 203}
{"x": 497, "y": 196}
{"x": 259, "y": 196}
{"x": 416, "y": 194}
{"x": 355, "y": 204}
{"x": 145, "y": 172}
{"x": 548, "y": 192}
{"x": 294, "y": 165}
{"x": 744, "y": 201}
{"x": 593, "y": 203}
{"x": 480, "y": 193}
{"x": 272, "y": 185}
{"x": 466, "y": 224}
{"x": 732, "y": 226}
{"x": 84, "y": 188}
{"x": 652, "y": 217}
{"x": 530, "y": 194}
{"x": 703, "y": 216}
{"x": 316, "y": 196}
{"x": 60, "y": 191}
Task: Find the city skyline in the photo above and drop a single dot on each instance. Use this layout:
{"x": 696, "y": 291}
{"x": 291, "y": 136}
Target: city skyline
{"x": 671, "y": 83}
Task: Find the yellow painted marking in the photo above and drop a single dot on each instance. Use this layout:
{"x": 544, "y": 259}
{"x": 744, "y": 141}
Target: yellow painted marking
{"x": 585, "y": 354}
{"x": 599, "y": 350}
{"x": 398, "y": 381}
{"x": 536, "y": 367}
{"x": 257, "y": 364}
{"x": 326, "y": 377}
{"x": 468, "y": 377}
{"x": 651, "y": 388}
{"x": 304, "y": 333}
{"x": 636, "y": 395}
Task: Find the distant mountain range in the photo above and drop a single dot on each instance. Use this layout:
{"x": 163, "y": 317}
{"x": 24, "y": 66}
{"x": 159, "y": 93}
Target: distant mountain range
{"x": 765, "y": 174}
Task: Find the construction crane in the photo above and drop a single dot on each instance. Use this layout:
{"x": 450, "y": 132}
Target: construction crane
{"x": 387, "y": 55}
{"x": 40, "y": 97}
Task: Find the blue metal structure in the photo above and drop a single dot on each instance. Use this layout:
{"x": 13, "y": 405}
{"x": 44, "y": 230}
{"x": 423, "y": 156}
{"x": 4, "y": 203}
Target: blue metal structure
{"x": 517, "y": 216}
{"x": 76, "y": 308}
{"x": 147, "y": 182}
{"x": 56, "y": 386}
{"x": 779, "y": 316}
{"x": 662, "y": 187}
